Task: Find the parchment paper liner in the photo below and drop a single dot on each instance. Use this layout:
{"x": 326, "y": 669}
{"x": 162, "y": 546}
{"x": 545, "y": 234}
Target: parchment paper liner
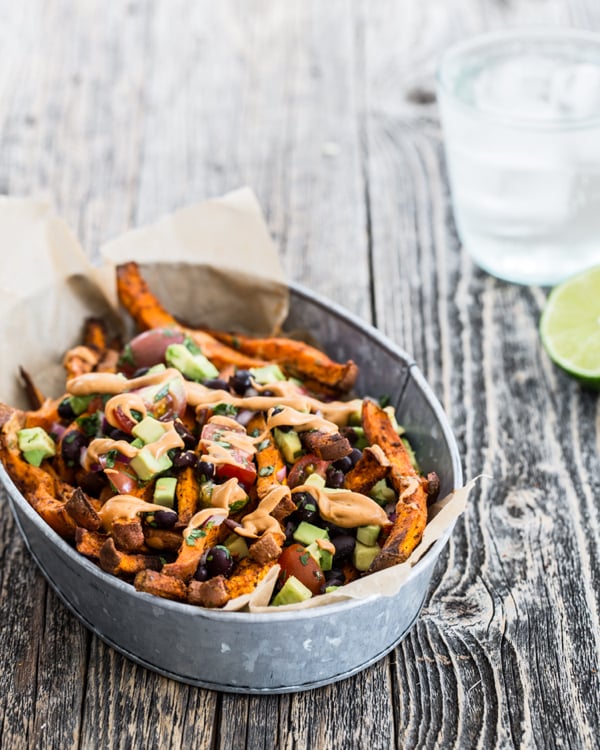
{"x": 213, "y": 263}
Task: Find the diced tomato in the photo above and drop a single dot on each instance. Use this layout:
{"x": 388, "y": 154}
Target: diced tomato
{"x": 242, "y": 466}
{"x": 296, "y": 561}
{"x": 123, "y": 482}
{"x": 304, "y": 467}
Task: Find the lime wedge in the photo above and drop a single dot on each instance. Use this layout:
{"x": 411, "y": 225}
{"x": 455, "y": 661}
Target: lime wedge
{"x": 570, "y": 326}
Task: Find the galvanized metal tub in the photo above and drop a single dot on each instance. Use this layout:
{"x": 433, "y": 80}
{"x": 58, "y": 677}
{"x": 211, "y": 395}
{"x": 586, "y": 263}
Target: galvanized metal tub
{"x": 281, "y": 651}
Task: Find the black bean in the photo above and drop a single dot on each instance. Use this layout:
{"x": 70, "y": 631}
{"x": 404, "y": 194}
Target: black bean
{"x": 189, "y": 441}
{"x": 332, "y": 529}
{"x": 355, "y": 456}
{"x": 335, "y": 577}
{"x": 240, "y": 382}
{"x": 290, "y": 527}
{"x": 334, "y": 478}
{"x": 306, "y": 508}
{"x": 140, "y": 371}
{"x": 216, "y": 384}
{"x": 165, "y": 519}
{"x": 120, "y": 435}
{"x": 343, "y": 464}
{"x": 201, "y": 573}
{"x": 205, "y": 469}
{"x": 219, "y": 561}
{"x": 72, "y": 444}
{"x": 65, "y": 410}
{"x": 185, "y": 458}
{"x": 344, "y": 547}
{"x": 350, "y": 434}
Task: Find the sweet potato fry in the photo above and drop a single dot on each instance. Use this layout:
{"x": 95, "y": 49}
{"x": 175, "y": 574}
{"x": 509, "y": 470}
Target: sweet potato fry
{"x": 153, "y": 582}
{"x": 128, "y": 535}
{"x": 82, "y": 510}
{"x": 187, "y": 492}
{"x": 79, "y": 360}
{"x": 247, "y": 576}
{"x": 269, "y": 461}
{"x": 191, "y": 550}
{"x": 162, "y": 539}
{"x": 329, "y": 446}
{"x": 411, "y": 508}
{"x": 122, "y": 564}
{"x": 297, "y": 358}
{"x": 94, "y": 334}
{"x": 216, "y": 592}
{"x": 368, "y": 471}
{"x": 147, "y": 312}
{"x": 89, "y": 543}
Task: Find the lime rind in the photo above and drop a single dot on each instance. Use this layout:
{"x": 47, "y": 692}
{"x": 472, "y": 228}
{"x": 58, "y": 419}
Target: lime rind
{"x": 570, "y": 326}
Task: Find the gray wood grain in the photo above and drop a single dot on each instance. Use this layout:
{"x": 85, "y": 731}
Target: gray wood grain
{"x": 119, "y": 113}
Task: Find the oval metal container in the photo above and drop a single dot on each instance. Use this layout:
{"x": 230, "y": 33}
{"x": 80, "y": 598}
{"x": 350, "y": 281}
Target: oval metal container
{"x": 280, "y": 651}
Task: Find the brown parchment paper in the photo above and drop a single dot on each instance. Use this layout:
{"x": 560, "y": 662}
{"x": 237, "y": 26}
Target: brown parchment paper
{"x": 213, "y": 263}
{"x": 215, "y": 258}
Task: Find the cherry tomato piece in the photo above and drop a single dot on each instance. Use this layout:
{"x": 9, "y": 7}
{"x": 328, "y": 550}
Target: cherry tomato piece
{"x": 304, "y": 467}
{"x": 296, "y": 561}
{"x": 242, "y": 466}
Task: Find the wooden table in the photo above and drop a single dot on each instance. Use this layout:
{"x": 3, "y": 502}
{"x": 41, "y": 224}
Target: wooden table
{"x": 120, "y": 112}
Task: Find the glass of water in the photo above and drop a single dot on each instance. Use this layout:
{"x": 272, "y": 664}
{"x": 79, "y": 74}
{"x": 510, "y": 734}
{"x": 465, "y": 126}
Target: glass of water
{"x": 520, "y": 112}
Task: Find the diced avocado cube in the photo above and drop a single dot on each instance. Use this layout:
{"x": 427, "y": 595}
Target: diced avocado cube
{"x": 289, "y": 444}
{"x": 363, "y": 555}
{"x": 292, "y": 592}
{"x": 267, "y": 374}
{"x": 147, "y": 466}
{"x": 79, "y": 403}
{"x": 138, "y": 443}
{"x": 330, "y": 589}
{"x": 164, "y": 491}
{"x": 193, "y": 366}
{"x": 368, "y": 535}
{"x": 322, "y": 556}
{"x": 237, "y": 546}
{"x": 35, "y": 444}
{"x": 149, "y": 430}
{"x": 306, "y": 533}
{"x": 316, "y": 480}
{"x": 381, "y": 493}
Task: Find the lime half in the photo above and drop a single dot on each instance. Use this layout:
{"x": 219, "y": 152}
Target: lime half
{"x": 570, "y": 326}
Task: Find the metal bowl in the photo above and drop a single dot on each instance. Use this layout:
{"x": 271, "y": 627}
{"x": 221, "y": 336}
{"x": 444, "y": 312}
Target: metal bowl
{"x": 276, "y": 652}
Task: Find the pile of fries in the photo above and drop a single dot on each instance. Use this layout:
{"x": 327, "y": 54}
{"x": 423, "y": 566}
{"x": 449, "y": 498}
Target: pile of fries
{"x": 193, "y": 462}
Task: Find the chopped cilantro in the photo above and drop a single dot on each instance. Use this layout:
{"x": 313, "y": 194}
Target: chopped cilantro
{"x": 110, "y": 458}
{"x": 266, "y": 471}
{"x": 70, "y": 436}
{"x": 384, "y": 401}
{"x": 304, "y": 558}
{"x": 137, "y": 415}
{"x": 162, "y": 393}
{"x": 226, "y": 410}
{"x": 90, "y": 425}
{"x": 263, "y": 444}
{"x": 238, "y": 505}
{"x": 223, "y": 443}
{"x": 255, "y": 432}
{"x": 163, "y": 560}
{"x": 235, "y": 342}
{"x": 193, "y": 535}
